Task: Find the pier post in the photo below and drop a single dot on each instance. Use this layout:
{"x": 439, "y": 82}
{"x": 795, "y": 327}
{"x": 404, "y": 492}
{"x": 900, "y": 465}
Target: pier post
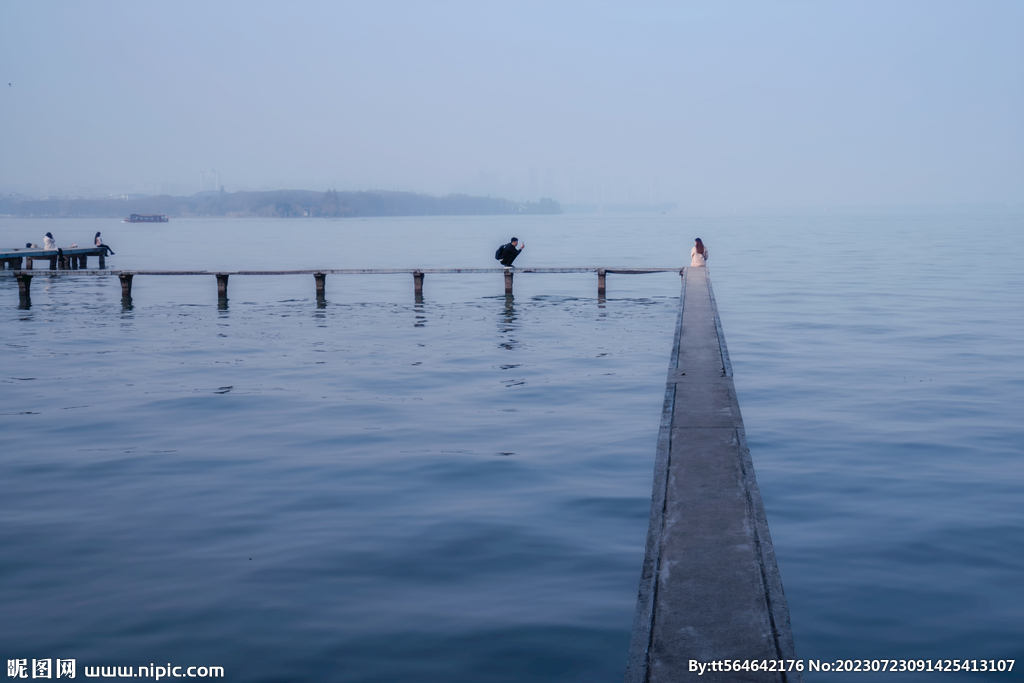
{"x": 15, "y": 264}
{"x": 508, "y": 282}
{"x": 222, "y": 285}
{"x": 53, "y": 263}
{"x": 600, "y": 282}
{"x": 83, "y": 261}
{"x": 321, "y": 286}
{"x": 24, "y": 285}
{"x": 417, "y": 284}
{"x": 74, "y": 262}
{"x": 126, "y": 285}
{"x": 103, "y": 261}
{"x": 28, "y": 263}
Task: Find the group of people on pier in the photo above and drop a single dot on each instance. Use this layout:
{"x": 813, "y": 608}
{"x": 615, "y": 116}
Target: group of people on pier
{"x": 50, "y": 244}
{"x": 506, "y": 253}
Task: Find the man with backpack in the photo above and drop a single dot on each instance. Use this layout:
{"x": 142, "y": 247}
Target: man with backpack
{"x": 507, "y": 252}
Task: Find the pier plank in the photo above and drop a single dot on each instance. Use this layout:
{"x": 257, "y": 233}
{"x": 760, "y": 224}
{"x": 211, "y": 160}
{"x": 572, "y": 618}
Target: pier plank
{"x": 382, "y": 271}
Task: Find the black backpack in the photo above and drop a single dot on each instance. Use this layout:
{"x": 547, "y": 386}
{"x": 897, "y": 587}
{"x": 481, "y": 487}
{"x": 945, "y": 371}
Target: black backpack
{"x": 498, "y": 254}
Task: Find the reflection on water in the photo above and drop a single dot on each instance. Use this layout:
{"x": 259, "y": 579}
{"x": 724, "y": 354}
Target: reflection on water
{"x": 507, "y": 325}
{"x": 413, "y": 489}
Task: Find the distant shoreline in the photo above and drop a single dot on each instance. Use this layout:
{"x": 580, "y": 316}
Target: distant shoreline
{"x": 279, "y": 204}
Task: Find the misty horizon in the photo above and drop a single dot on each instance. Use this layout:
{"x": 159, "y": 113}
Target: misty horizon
{"x": 723, "y": 107}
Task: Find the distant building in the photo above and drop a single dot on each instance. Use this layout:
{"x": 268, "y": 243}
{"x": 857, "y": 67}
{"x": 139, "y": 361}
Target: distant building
{"x": 209, "y": 181}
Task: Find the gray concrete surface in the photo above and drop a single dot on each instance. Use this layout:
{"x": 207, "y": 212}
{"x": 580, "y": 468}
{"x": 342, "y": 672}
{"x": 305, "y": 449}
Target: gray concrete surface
{"x": 710, "y": 589}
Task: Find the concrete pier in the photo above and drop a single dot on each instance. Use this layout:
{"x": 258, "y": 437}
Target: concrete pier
{"x": 65, "y": 259}
{"x": 710, "y": 588}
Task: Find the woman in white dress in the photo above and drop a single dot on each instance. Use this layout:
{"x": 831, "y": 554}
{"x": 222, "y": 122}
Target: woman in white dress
{"x": 698, "y": 254}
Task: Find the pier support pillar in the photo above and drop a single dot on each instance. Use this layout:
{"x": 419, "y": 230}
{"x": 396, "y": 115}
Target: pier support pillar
{"x": 126, "y": 285}
{"x": 103, "y": 261}
{"x": 222, "y": 285}
{"x": 53, "y": 263}
{"x": 28, "y": 263}
{"x": 83, "y": 261}
{"x": 600, "y": 282}
{"x": 321, "y": 285}
{"x": 73, "y": 265}
{"x": 417, "y": 284}
{"x": 508, "y": 282}
{"x": 15, "y": 264}
{"x": 24, "y": 285}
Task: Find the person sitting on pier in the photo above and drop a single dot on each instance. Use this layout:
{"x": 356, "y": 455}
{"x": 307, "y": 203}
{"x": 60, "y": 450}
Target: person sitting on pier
{"x": 99, "y": 243}
{"x": 507, "y": 253}
{"x": 49, "y": 244}
{"x": 698, "y": 254}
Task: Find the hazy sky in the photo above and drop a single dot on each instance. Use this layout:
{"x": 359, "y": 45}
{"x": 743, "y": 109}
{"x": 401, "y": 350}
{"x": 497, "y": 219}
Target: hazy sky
{"x": 717, "y": 105}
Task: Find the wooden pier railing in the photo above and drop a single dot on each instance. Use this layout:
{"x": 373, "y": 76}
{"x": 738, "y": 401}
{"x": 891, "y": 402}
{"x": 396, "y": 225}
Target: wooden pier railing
{"x": 24, "y": 277}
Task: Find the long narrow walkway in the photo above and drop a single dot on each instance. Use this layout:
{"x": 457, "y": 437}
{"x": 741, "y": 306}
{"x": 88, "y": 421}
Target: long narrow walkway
{"x": 710, "y": 590}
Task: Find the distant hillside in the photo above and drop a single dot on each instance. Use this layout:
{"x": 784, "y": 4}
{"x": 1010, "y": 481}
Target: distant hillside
{"x": 280, "y": 203}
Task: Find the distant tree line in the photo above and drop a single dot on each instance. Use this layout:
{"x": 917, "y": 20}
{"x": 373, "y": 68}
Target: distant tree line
{"x": 282, "y": 204}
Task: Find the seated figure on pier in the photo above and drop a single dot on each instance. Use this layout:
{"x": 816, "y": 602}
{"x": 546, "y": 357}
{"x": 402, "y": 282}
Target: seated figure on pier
{"x": 698, "y": 254}
{"x": 99, "y": 243}
{"x": 507, "y": 253}
{"x": 49, "y": 244}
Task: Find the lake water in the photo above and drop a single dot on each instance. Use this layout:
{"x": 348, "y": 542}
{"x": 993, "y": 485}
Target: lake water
{"x": 458, "y": 489}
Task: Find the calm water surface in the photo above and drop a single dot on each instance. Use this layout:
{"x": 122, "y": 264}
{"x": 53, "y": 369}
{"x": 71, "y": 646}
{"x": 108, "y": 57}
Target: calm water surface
{"x": 458, "y": 489}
